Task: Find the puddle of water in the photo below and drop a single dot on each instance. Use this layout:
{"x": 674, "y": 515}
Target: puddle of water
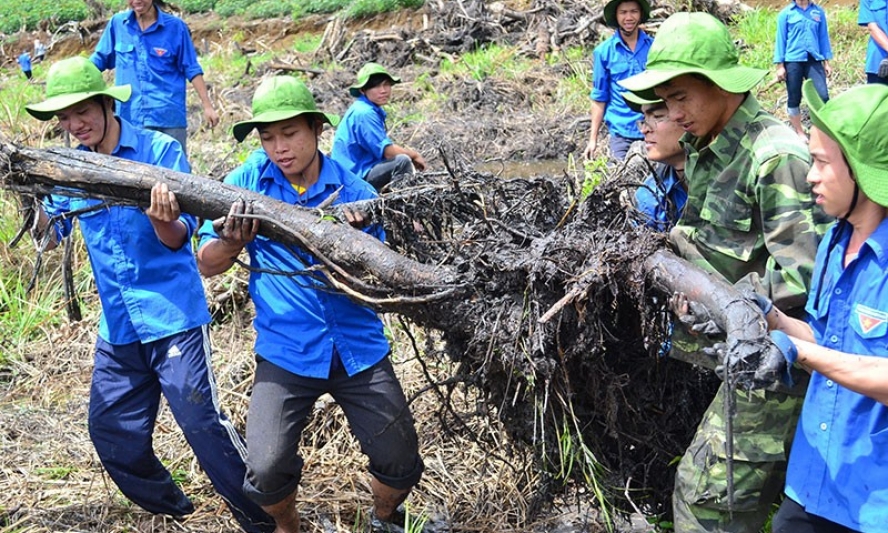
{"x": 529, "y": 169}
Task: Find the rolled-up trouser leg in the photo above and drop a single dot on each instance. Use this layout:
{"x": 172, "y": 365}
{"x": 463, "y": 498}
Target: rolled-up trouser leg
{"x": 380, "y": 175}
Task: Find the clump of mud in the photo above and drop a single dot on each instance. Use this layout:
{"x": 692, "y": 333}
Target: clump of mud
{"x": 561, "y": 332}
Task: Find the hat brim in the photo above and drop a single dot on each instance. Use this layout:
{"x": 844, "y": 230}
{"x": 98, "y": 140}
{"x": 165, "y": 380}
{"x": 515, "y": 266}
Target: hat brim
{"x": 733, "y": 80}
{"x": 243, "y": 128}
{"x": 635, "y": 102}
{"x": 866, "y": 175}
{"x": 47, "y": 109}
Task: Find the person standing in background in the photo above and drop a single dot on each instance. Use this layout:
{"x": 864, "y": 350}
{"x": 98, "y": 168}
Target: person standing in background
{"x": 802, "y": 52}
{"x": 873, "y": 16}
{"x": 24, "y": 61}
{"x": 39, "y": 51}
{"x": 152, "y": 51}
{"x": 617, "y": 58}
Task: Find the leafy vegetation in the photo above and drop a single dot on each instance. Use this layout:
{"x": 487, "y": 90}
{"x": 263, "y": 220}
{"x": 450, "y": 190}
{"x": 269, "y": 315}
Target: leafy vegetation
{"x": 27, "y": 15}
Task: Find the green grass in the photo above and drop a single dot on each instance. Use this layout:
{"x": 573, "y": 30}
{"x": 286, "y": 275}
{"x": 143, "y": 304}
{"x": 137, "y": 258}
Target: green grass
{"x": 757, "y": 30}
{"x": 19, "y": 15}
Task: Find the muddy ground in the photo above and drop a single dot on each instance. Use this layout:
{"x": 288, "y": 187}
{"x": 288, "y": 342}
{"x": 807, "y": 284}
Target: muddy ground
{"x": 493, "y": 463}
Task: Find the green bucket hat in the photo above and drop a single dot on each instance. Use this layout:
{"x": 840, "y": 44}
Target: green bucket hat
{"x": 71, "y": 81}
{"x": 856, "y": 120}
{"x": 693, "y": 43}
{"x": 610, "y": 11}
{"x": 364, "y": 76}
{"x": 635, "y": 102}
{"x": 280, "y": 98}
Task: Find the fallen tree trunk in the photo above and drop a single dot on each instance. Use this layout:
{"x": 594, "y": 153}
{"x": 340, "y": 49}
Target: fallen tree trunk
{"x": 543, "y": 299}
{"x": 127, "y": 182}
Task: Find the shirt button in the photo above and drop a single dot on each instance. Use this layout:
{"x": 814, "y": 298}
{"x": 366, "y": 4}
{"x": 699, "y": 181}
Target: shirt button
{"x": 838, "y": 291}
{"x": 829, "y": 383}
{"x": 823, "y": 426}
{"x": 834, "y": 339}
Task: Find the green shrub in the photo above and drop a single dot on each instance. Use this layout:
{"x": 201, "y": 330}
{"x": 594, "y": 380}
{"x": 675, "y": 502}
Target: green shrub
{"x": 325, "y": 6}
{"x": 364, "y": 8}
{"x": 196, "y": 6}
{"x": 228, "y": 8}
{"x": 18, "y": 14}
{"x": 263, "y": 9}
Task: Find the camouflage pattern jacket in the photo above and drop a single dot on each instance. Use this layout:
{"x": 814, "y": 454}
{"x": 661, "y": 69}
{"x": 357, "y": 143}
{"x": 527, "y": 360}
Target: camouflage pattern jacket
{"x": 750, "y": 215}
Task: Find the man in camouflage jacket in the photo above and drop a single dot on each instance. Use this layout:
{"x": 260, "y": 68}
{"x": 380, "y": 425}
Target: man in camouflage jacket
{"x": 750, "y": 217}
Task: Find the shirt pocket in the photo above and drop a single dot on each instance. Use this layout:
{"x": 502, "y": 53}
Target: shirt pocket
{"x": 870, "y": 324}
{"x": 620, "y": 69}
{"x": 878, "y": 5}
{"x": 124, "y": 54}
{"x": 730, "y": 223}
{"x": 161, "y": 60}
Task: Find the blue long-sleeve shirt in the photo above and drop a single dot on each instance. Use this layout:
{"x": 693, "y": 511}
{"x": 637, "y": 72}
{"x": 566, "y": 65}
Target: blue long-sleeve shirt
{"x": 156, "y": 63}
{"x": 838, "y": 466}
{"x": 298, "y": 320}
{"x": 148, "y": 291}
{"x": 613, "y": 61}
{"x": 801, "y": 32}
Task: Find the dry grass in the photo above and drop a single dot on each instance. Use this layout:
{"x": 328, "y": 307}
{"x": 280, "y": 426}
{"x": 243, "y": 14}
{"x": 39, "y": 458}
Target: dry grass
{"x": 51, "y": 479}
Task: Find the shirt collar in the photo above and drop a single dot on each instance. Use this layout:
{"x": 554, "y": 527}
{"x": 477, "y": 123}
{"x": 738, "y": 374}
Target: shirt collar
{"x": 316, "y": 193}
{"x": 127, "y": 136}
{"x": 131, "y": 17}
{"x": 642, "y": 40}
{"x": 878, "y": 242}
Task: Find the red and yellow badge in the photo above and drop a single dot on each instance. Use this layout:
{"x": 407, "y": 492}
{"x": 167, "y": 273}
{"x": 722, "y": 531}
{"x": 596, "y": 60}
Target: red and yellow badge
{"x": 160, "y": 52}
{"x": 869, "y": 318}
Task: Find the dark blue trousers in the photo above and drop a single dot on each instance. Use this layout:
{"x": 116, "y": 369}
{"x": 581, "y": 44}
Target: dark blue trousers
{"x": 124, "y": 399}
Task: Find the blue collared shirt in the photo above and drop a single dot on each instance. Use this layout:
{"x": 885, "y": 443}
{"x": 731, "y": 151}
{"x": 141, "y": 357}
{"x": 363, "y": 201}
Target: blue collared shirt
{"x": 838, "y": 466}
{"x": 613, "y": 62}
{"x": 156, "y": 62}
{"x": 298, "y": 319}
{"x": 148, "y": 291}
{"x": 661, "y": 199}
{"x": 361, "y": 137}
{"x": 801, "y": 32}
{"x": 874, "y": 11}
{"x": 24, "y": 61}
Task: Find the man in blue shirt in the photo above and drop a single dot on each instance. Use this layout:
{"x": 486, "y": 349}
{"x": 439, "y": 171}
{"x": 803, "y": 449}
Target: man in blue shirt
{"x": 802, "y": 52}
{"x": 873, "y": 15}
{"x": 361, "y": 143}
{"x": 310, "y": 340}
{"x": 153, "y": 336}
{"x": 152, "y": 51}
{"x": 617, "y": 58}
{"x": 661, "y": 198}
{"x": 24, "y": 61}
{"x": 837, "y": 479}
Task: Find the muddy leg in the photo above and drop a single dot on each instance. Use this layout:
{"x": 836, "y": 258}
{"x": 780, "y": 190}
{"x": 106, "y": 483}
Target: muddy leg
{"x": 286, "y": 518}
